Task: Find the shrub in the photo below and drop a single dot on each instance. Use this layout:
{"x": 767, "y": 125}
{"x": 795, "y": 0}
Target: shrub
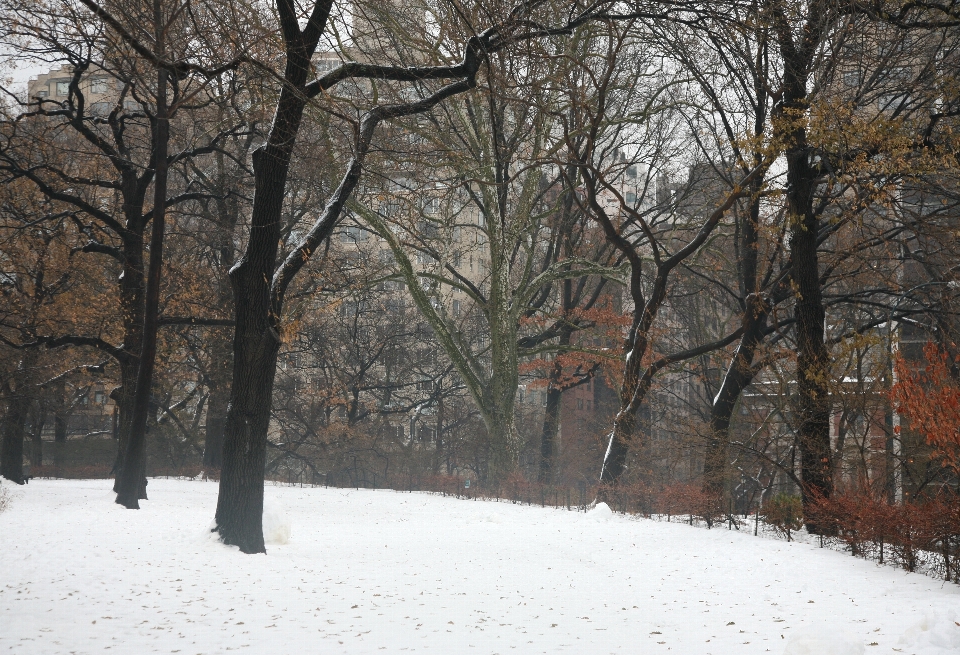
{"x": 784, "y": 513}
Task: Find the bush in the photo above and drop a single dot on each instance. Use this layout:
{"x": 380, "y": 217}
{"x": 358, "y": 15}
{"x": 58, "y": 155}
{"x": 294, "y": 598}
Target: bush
{"x": 926, "y": 532}
{"x": 784, "y": 512}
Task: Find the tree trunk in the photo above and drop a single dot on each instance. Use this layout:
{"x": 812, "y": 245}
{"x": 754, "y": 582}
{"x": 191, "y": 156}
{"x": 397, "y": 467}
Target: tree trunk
{"x": 256, "y": 340}
{"x": 615, "y": 459}
{"x": 36, "y": 452}
{"x": 11, "y": 454}
{"x": 438, "y": 449}
{"x": 59, "y": 440}
{"x": 59, "y": 426}
{"x": 221, "y": 366}
{"x": 738, "y": 376}
{"x": 132, "y": 307}
{"x": 551, "y": 425}
{"x": 812, "y": 408}
{"x": 132, "y": 479}
{"x": 504, "y": 447}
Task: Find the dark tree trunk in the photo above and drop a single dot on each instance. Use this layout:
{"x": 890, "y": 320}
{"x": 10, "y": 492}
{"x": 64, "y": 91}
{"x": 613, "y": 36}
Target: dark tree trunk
{"x": 438, "y": 450}
{"x": 551, "y": 425}
{"x": 256, "y": 341}
{"x": 218, "y": 381}
{"x": 59, "y": 425}
{"x": 551, "y": 416}
{"x": 131, "y": 304}
{"x": 132, "y": 479}
{"x": 812, "y": 401}
{"x": 812, "y": 408}
{"x": 36, "y": 452}
{"x": 213, "y": 438}
{"x": 739, "y": 374}
{"x": 59, "y": 440}
{"x": 11, "y": 454}
{"x": 615, "y": 459}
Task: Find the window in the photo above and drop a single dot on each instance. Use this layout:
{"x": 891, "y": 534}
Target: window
{"x": 42, "y": 94}
{"x": 431, "y": 206}
{"x": 851, "y": 77}
{"x": 394, "y": 305}
{"x": 325, "y": 65}
{"x": 63, "y": 88}
{"x": 99, "y": 85}
{"x": 900, "y": 75}
{"x": 428, "y": 229}
{"x": 389, "y": 208}
{"x": 385, "y": 256}
{"x": 579, "y": 403}
{"x": 352, "y": 233}
{"x": 630, "y": 197}
{"x": 425, "y": 385}
{"x": 457, "y": 257}
{"x": 456, "y": 308}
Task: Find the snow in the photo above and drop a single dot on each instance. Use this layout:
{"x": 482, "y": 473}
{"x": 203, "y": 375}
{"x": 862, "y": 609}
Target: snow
{"x": 380, "y": 571}
{"x": 276, "y": 521}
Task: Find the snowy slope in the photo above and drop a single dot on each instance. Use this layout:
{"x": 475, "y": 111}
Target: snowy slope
{"x": 380, "y": 571}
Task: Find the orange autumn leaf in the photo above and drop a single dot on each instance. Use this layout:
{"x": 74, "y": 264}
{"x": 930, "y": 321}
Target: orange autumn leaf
{"x": 930, "y": 399}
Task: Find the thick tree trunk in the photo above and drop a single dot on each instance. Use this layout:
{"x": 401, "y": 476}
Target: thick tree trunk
{"x": 497, "y": 407}
{"x": 218, "y": 379}
{"x": 738, "y": 376}
{"x": 132, "y": 479}
{"x": 504, "y": 442}
{"x": 239, "y": 515}
{"x": 59, "y": 426}
{"x": 551, "y": 425}
{"x": 213, "y": 438}
{"x": 256, "y": 341}
{"x": 132, "y": 308}
{"x": 812, "y": 400}
{"x": 438, "y": 449}
{"x": 615, "y": 459}
{"x": 59, "y": 440}
{"x": 36, "y": 452}
{"x": 14, "y": 420}
{"x": 812, "y": 408}
{"x": 551, "y": 416}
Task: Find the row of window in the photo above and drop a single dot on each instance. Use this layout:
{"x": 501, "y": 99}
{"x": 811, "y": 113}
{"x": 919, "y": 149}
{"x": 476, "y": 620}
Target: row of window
{"x": 99, "y": 85}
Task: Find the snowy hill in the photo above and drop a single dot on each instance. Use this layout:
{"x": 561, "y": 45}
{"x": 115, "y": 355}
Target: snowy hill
{"x": 386, "y": 572}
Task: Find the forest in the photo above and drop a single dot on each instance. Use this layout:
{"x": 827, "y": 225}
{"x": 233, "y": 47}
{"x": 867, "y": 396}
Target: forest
{"x": 679, "y": 257}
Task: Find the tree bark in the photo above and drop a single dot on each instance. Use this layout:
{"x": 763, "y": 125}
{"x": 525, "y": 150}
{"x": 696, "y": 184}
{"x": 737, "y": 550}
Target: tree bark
{"x": 59, "y": 426}
{"x": 11, "y": 454}
{"x": 739, "y": 374}
{"x": 132, "y": 308}
{"x": 239, "y": 516}
{"x": 812, "y": 401}
{"x": 36, "y": 452}
{"x": 551, "y": 416}
{"x": 218, "y": 381}
{"x": 812, "y": 405}
{"x": 132, "y": 482}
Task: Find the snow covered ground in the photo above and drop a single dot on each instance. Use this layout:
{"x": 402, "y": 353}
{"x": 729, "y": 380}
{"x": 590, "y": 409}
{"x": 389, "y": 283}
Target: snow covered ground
{"x": 380, "y": 571}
